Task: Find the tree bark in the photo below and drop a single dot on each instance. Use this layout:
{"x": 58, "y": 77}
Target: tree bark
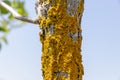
{"x": 60, "y": 24}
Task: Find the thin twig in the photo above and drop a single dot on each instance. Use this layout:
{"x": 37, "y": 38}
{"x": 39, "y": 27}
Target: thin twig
{"x": 17, "y": 15}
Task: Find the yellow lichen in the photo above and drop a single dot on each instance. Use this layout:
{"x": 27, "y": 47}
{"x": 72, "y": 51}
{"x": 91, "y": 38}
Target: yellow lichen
{"x": 60, "y": 52}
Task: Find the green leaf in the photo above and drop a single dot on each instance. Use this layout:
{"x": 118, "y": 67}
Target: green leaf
{"x": 19, "y": 6}
{"x": 4, "y": 29}
{"x": 0, "y": 46}
{"x": 11, "y": 16}
{"x": 4, "y": 39}
{"x": 7, "y": 2}
{"x": 20, "y": 10}
{"x": 14, "y": 4}
{"x": 2, "y": 9}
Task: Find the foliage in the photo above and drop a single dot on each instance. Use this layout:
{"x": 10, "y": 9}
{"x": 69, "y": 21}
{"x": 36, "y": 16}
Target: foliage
{"x": 6, "y": 18}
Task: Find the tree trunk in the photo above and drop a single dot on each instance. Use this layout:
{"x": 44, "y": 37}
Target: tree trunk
{"x": 60, "y": 24}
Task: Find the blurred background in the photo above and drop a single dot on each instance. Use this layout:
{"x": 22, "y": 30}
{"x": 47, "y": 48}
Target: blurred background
{"x": 20, "y": 58}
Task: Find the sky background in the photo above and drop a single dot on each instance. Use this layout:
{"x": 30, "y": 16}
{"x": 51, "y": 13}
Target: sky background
{"x": 20, "y": 59}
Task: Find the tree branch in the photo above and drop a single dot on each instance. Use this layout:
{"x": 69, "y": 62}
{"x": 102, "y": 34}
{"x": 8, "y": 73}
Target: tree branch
{"x": 17, "y": 15}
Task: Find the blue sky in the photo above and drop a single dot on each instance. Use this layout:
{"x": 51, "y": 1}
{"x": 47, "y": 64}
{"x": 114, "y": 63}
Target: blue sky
{"x": 20, "y": 59}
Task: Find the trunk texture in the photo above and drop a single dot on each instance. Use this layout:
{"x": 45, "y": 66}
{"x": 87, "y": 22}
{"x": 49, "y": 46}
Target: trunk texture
{"x": 60, "y": 24}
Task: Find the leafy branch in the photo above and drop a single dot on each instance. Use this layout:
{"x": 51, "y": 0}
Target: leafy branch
{"x": 10, "y": 10}
{"x": 16, "y": 14}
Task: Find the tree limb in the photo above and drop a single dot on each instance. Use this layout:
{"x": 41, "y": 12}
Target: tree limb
{"x": 17, "y": 15}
